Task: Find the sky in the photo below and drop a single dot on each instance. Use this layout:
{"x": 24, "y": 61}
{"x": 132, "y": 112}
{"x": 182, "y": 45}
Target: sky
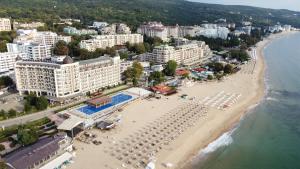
{"x": 276, "y": 4}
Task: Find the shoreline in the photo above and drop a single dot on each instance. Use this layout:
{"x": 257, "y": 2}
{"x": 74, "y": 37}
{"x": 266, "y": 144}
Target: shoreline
{"x": 231, "y": 125}
{"x": 119, "y": 145}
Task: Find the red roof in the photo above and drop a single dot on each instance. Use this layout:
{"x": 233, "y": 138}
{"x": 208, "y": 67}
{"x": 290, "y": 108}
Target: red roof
{"x": 181, "y": 72}
{"x": 199, "y": 69}
{"x": 163, "y": 89}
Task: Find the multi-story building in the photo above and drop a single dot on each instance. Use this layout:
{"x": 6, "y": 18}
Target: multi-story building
{"x": 103, "y": 41}
{"x": 47, "y": 38}
{"x": 8, "y": 59}
{"x": 33, "y": 51}
{"x": 213, "y": 31}
{"x": 188, "y": 54}
{"x": 98, "y": 73}
{"x": 73, "y": 31}
{"x": 62, "y": 80}
{"x": 122, "y": 29}
{"x": 5, "y": 24}
{"x": 32, "y": 25}
{"x": 154, "y": 29}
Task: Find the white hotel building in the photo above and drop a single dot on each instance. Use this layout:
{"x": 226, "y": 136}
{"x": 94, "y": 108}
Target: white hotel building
{"x": 186, "y": 54}
{"x": 7, "y": 60}
{"x": 103, "y": 41}
{"x": 5, "y": 24}
{"x": 63, "y": 80}
{"x": 34, "y": 51}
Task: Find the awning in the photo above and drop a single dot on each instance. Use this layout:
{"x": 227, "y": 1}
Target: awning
{"x": 58, "y": 161}
{"x": 70, "y": 123}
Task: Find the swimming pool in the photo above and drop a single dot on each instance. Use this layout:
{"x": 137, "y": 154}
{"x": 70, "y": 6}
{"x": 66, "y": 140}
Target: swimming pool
{"x": 117, "y": 99}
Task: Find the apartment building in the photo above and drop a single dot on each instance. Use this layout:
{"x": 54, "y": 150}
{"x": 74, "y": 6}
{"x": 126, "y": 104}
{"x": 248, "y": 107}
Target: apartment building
{"x": 46, "y": 37}
{"x": 27, "y": 25}
{"x": 73, "y": 31}
{"x": 8, "y": 59}
{"x": 67, "y": 79}
{"x": 5, "y": 24}
{"x": 103, "y": 41}
{"x": 186, "y": 54}
{"x": 33, "y": 51}
{"x": 154, "y": 29}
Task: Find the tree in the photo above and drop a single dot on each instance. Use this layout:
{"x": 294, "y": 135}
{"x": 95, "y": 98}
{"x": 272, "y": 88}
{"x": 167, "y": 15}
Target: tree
{"x": 228, "y": 69}
{"x": 140, "y": 48}
{"x": 134, "y": 73}
{"x": 3, "y": 164}
{"x": 42, "y": 103}
{"x": 27, "y": 136}
{"x": 210, "y": 77}
{"x": 61, "y": 48}
{"x": 218, "y": 67}
{"x": 6, "y": 81}
{"x": 2, "y": 147}
{"x": 3, "y": 46}
{"x": 27, "y": 107}
{"x": 12, "y": 113}
{"x": 170, "y": 68}
{"x": 240, "y": 55}
{"x": 156, "y": 77}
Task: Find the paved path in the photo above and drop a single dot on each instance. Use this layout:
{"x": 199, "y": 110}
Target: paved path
{"x": 35, "y": 116}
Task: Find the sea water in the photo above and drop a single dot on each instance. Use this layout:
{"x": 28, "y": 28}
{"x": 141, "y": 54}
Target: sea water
{"x": 268, "y": 137}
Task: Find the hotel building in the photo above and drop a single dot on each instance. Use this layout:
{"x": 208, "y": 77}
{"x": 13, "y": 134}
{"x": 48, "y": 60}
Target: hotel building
{"x": 5, "y": 24}
{"x": 103, "y": 41}
{"x": 8, "y": 59}
{"x": 62, "y": 80}
{"x": 186, "y": 54}
{"x": 34, "y": 51}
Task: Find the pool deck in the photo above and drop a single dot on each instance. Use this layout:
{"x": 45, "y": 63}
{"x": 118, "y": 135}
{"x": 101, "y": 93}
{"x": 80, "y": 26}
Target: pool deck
{"x": 102, "y": 113}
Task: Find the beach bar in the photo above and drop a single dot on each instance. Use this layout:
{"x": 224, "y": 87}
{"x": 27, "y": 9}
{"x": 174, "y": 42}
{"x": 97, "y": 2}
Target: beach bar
{"x": 98, "y": 102}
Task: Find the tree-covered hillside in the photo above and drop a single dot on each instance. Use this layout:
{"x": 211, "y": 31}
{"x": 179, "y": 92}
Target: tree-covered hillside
{"x": 135, "y": 12}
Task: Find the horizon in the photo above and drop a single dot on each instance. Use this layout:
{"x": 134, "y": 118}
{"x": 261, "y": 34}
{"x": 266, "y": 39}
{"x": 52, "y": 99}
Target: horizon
{"x": 293, "y": 5}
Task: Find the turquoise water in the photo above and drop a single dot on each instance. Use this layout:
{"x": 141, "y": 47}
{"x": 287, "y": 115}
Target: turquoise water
{"x": 117, "y": 99}
{"x": 269, "y": 135}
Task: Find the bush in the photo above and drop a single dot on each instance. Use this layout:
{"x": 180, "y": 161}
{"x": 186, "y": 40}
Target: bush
{"x": 2, "y": 147}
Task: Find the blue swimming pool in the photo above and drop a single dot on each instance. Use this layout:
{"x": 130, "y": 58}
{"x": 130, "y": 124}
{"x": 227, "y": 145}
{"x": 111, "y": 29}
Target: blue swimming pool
{"x": 117, "y": 99}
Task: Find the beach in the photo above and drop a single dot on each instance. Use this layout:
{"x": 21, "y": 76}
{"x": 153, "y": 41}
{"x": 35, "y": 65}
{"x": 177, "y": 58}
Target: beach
{"x": 225, "y": 103}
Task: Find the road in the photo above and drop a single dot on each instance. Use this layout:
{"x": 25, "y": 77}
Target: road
{"x": 36, "y": 116}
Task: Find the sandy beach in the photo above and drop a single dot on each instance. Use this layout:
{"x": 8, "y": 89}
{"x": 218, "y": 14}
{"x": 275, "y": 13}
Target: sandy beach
{"x": 174, "y": 129}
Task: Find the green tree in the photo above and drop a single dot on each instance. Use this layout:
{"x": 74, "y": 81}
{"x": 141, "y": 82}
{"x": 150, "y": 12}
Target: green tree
{"x": 61, "y": 48}
{"x": 228, "y": 69}
{"x": 2, "y": 147}
{"x": 27, "y": 136}
{"x": 12, "y": 113}
{"x": 42, "y": 103}
{"x": 3, "y": 46}
{"x": 156, "y": 77}
{"x": 139, "y": 48}
{"x": 210, "y": 77}
{"x": 27, "y": 107}
{"x": 6, "y": 81}
{"x": 170, "y": 68}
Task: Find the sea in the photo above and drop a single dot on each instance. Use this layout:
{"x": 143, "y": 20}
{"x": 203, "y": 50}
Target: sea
{"x": 268, "y": 136}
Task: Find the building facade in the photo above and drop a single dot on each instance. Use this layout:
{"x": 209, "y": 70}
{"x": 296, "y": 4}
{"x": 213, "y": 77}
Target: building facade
{"x": 103, "y": 41}
{"x": 73, "y": 31}
{"x": 33, "y": 51}
{"x": 8, "y": 59}
{"x": 67, "y": 79}
{"x": 186, "y": 54}
{"x": 5, "y": 24}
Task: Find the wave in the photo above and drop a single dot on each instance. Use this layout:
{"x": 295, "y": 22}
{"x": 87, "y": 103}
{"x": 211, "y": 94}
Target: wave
{"x": 222, "y": 141}
{"x": 272, "y": 99}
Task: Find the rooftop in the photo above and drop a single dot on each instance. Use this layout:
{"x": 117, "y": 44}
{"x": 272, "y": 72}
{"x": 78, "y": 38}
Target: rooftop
{"x": 27, "y": 156}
